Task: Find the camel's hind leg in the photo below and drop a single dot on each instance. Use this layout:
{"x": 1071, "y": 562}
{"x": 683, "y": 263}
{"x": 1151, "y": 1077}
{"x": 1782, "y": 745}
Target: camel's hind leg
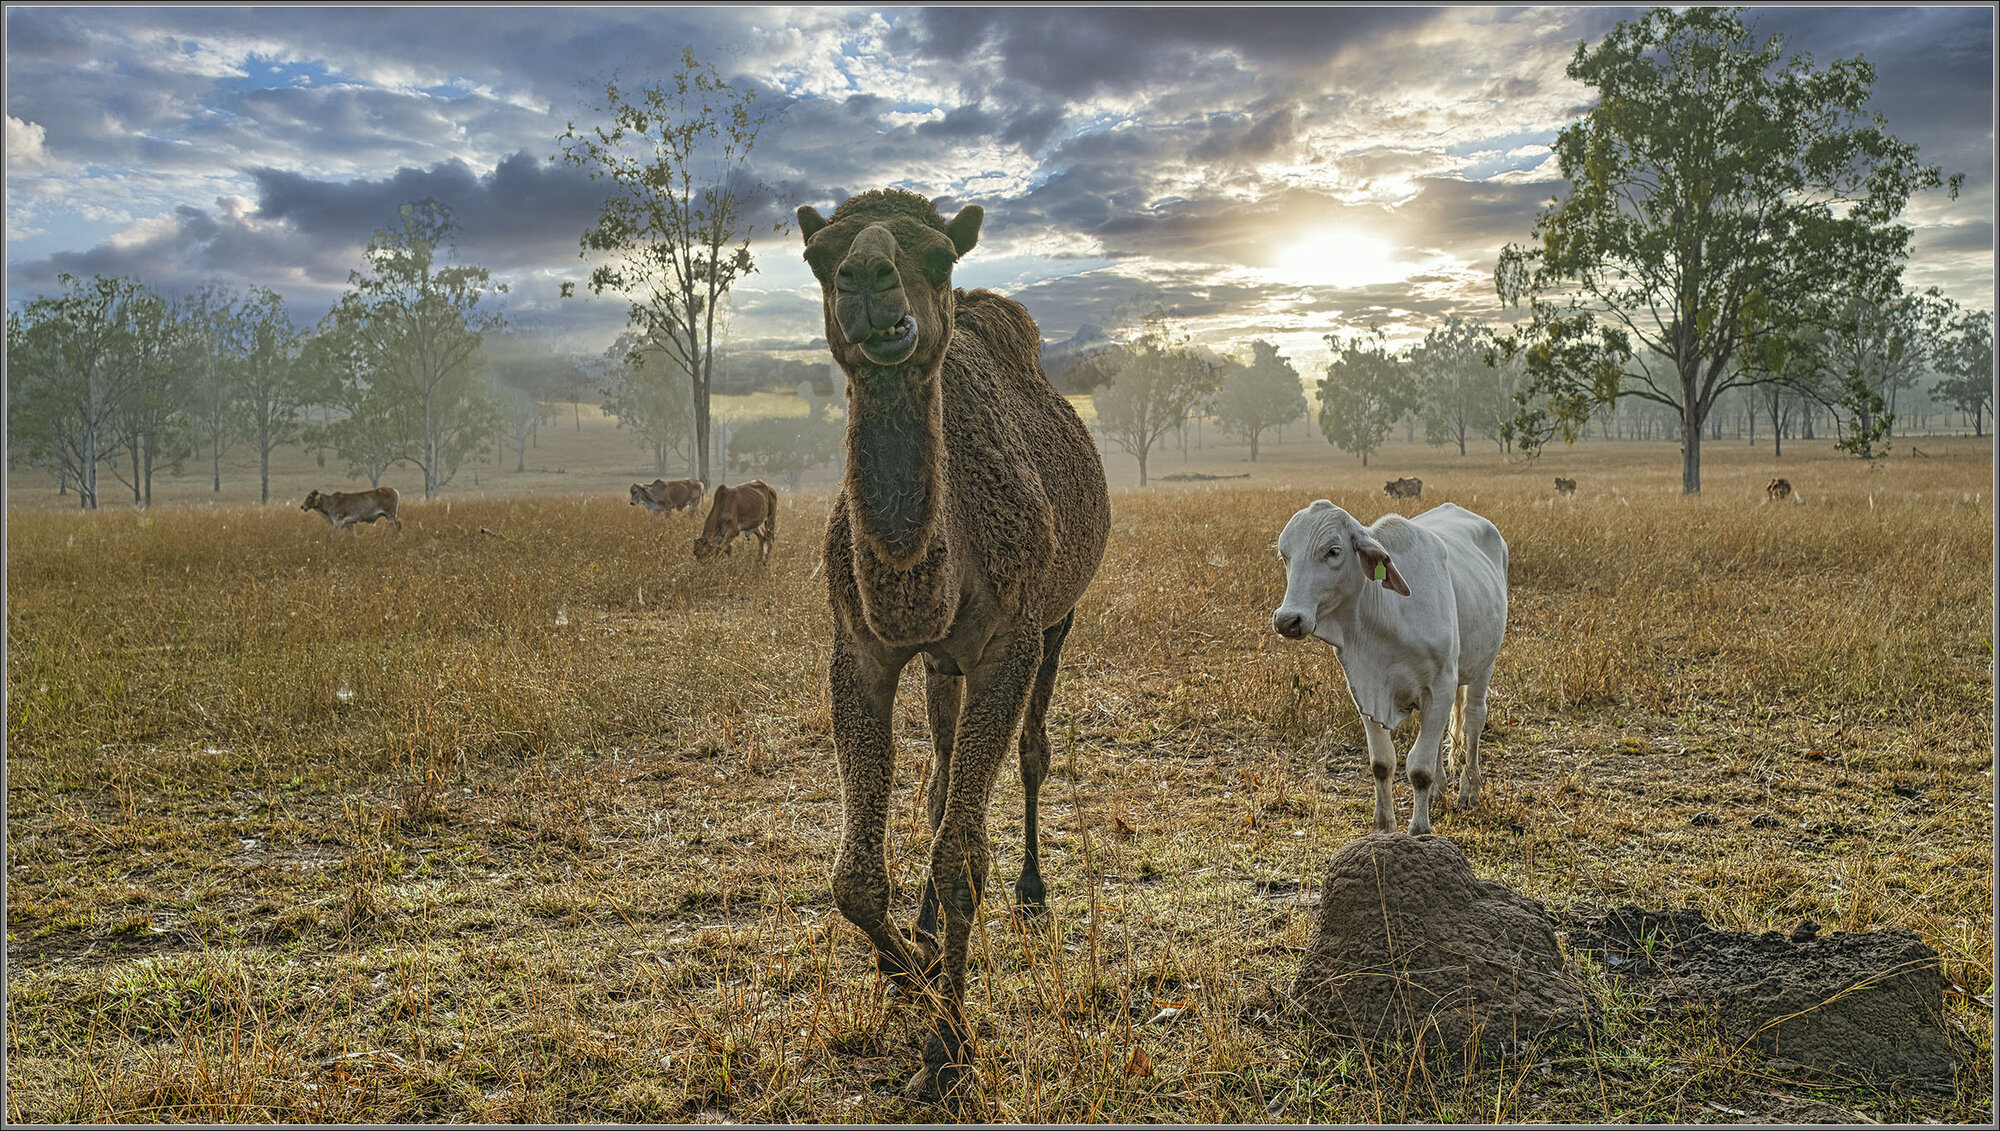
{"x": 1035, "y": 765}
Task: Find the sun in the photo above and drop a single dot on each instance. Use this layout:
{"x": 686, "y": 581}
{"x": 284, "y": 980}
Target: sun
{"x": 1339, "y": 257}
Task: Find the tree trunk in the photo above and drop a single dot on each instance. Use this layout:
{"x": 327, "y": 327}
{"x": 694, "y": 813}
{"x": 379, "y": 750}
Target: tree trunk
{"x": 1691, "y": 454}
{"x": 1253, "y": 445}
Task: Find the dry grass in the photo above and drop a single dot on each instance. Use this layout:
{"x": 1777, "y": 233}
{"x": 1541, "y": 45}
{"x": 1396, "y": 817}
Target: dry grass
{"x": 461, "y": 828}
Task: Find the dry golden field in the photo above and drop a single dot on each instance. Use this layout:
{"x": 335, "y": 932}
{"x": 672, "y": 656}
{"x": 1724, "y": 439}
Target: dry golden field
{"x": 535, "y": 825}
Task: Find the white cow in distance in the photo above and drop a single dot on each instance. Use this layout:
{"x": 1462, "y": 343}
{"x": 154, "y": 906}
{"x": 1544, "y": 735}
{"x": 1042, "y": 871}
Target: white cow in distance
{"x": 1415, "y": 608}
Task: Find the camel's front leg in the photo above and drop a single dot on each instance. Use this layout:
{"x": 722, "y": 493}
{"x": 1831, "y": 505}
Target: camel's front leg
{"x": 864, "y": 693}
{"x": 942, "y": 696}
{"x": 995, "y": 693}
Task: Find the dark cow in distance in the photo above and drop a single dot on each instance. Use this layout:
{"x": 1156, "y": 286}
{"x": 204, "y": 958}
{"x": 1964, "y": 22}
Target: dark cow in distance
{"x": 350, "y": 508}
{"x": 749, "y": 509}
{"x": 1407, "y": 488}
{"x": 664, "y": 495}
{"x": 1566, "y": 487}
{"x": 1779, "y": 490}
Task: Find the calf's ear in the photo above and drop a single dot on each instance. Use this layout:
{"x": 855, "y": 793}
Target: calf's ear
{"x": 1376, "y": 563}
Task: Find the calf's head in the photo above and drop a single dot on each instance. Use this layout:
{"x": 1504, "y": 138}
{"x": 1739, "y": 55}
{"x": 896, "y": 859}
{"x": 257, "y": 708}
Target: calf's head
{"x": 1329, "y": 559}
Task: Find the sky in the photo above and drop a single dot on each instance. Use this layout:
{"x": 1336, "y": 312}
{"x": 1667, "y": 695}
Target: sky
{"x": 1278, "y": 172}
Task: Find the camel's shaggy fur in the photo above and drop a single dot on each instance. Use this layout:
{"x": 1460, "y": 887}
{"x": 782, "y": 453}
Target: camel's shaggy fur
{"x": 972, "y": 517}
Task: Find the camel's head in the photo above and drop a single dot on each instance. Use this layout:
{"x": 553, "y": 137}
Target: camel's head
{"x": 884, "y": 268}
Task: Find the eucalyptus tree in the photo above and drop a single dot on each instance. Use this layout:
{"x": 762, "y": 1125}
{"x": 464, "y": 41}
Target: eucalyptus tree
{"x": 417, "y": 325}
{"x": 272, "y": 390}
{"x": 1716, "y": 190}
{"x": 658, "y": 412}
{"x": 1365, "y": 391}
{"x": 1964, "y": 356}
{"x": 1159, "y": 378}
{"x": 75, "y": 360}
{"x": 675, "y": 227}
{"x": 1265, "y": 393}
{"x": 1462, "y": 393}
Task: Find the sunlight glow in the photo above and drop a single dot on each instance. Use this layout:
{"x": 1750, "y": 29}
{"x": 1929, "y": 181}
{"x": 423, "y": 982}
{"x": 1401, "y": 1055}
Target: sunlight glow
{"x": 1333, "y": 257}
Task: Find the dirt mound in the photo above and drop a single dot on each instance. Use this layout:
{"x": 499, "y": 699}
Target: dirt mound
{"x": 1867, "y": 1006}
{"x": 1409, "y": 944}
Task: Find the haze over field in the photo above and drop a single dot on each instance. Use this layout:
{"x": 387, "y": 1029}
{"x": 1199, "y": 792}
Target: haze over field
{"x": 1281, "y": 173}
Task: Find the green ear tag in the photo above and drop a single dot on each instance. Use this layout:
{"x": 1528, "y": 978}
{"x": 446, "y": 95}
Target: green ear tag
{"x": 1381, "y": 571}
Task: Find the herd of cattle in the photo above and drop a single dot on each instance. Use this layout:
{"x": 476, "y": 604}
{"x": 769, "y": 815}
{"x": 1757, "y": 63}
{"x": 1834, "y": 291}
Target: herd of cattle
{"x": 751, "y": 508}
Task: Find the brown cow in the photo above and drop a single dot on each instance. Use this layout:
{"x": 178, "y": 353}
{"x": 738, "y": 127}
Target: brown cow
{"x": 1565, "y": 487}
{"x": 749, "y": 509}
{"x": 664, "y": 495}
{"x": 349, "y": 508}
{"x": 1779, "y": 490}
{"x": 1408, "y": 488}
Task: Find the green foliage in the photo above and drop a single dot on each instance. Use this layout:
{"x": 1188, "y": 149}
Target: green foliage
{"x": 410, "y": 329}
{"x": 76, "y": 364}
{"x": 1717, "y": 191}
{"x": 1464, "y": 387}
{"x": 1159, "y": 379}
{"x": 1365, "y": 391}
{"x": 1266, "y": 393}
{"x": 786, "y": 445}
{"x": 672, "y": 237}
{"x": 1964, "y": 355}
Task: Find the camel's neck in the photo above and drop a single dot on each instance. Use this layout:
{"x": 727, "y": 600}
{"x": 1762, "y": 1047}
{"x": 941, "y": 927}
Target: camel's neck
{"x": 895, "y": 467}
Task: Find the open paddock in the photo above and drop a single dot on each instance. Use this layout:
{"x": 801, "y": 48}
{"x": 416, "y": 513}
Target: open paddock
{"x": 536, "y": 824}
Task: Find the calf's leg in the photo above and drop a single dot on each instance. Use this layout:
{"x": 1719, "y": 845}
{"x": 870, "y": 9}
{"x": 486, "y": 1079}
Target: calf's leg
{"x": 1422, "y": 764}
{"x": 1382, "y": 763}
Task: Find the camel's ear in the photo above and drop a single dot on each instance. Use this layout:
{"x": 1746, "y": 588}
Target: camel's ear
{"x": 810, "y": 221}
{"x": 964, "y": 228}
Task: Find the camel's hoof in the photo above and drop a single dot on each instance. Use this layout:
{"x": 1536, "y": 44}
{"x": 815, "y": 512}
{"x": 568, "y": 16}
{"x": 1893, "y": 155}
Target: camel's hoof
{"x": 956, "y": 1086}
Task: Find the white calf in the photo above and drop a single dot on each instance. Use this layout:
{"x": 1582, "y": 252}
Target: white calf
{"x": 1415, "y": 609}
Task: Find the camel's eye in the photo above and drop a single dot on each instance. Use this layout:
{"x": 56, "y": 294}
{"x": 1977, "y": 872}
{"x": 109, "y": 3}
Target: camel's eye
{"x": 938, "y": 263}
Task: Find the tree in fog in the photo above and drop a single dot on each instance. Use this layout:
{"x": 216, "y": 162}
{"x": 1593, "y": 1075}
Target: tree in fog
{"x": 416, "y": 323}
{"x": 659, "y": 412}
{"x": 1159, "y": 377}
{"x": 1461, "y": 392}
{"x": 74, "y": 361}
{"x": 1365, "y": 391}
{"x": 1964, "y": 355}
{"x": 1265, "y": 393}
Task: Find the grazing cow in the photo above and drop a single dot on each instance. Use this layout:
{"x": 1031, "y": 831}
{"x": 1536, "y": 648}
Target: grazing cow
{"x": 1415, "y": 609}
{"x": 664, "y": 495}
{"x": 1409, "y": 488}
{"x": 749, "y": 509}
{"x": 348, "y": 508}
{"x": 1779, "y": 490}
{"x": 1565, "y": 487}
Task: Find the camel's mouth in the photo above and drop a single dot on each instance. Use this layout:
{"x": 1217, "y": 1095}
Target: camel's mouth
{"x": 891, "y": 344}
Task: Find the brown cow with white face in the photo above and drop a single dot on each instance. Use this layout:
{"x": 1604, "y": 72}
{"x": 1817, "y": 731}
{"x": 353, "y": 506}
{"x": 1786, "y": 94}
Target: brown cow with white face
{"x": 350, "y": 508}
{"x": 664, "y": 495}
{"x": 1779, "y": 490}
{"x": 749, "y": 509}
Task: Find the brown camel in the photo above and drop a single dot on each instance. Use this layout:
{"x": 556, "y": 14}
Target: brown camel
{"x": 972, "y": 517}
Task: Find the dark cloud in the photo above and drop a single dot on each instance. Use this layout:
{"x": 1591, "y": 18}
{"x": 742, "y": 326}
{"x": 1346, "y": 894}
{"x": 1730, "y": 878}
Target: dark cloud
{"x": 1073, "y": 53}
